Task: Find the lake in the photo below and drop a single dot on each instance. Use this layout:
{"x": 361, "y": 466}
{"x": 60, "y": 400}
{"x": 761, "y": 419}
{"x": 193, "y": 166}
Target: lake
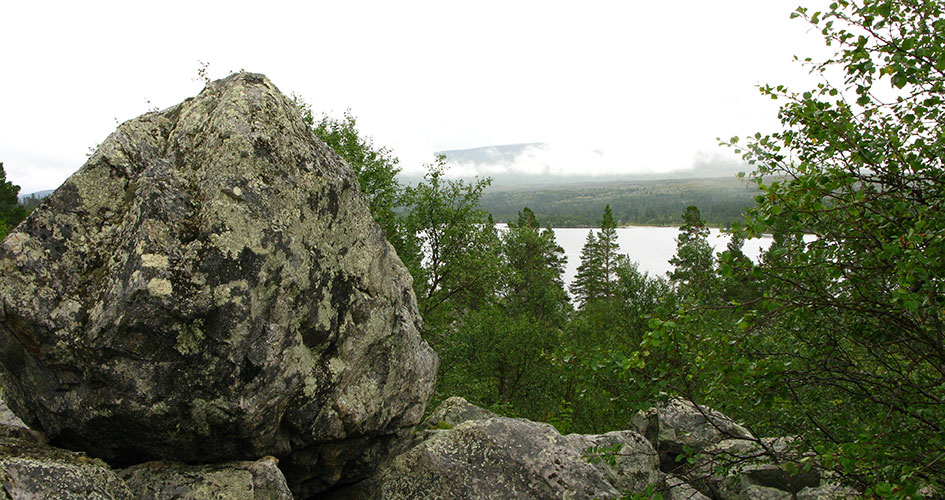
{"x": 650, "y": 247}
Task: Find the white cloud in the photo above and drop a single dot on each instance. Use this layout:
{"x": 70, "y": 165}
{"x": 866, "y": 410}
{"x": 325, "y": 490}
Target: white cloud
{"x": 650, "y": 85}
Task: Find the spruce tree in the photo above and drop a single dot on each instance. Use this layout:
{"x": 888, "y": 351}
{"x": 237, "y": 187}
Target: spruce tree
{"x": 609, "y": 251}
{"x": 11, "y": 211}
{"x": 693, "y": 264}
{"x": 588, "y": 282}
{"x": 535, "y": 269}
{"x": 597, "y": 275}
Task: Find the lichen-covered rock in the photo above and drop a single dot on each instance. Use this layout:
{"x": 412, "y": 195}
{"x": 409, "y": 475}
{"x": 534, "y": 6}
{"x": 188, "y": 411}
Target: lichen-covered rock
{"x": 7, "y": 417}
{"x": 505, "y": 458}
{"x": 828, "y": 491}
{"x": 676, "y": 424}
{"x": 454, "y": 411}
{"x": 675, "y": 488}
{"x": 755, "y": 492}
{"x": 210, "y": 286}
{"x": 31, "y": 470}
{"x": 259, "y": 480}
{"x": 728, "y": 462}
{"x": 751, "y": 469}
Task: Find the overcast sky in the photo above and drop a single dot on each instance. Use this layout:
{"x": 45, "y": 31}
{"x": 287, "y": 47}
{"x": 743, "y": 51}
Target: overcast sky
{"x": 613, "y": 87}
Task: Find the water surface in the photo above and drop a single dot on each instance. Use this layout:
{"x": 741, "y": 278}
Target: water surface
{"x": 650, "y": 247}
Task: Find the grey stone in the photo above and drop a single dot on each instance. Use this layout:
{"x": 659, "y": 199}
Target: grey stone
{"x": 755, "y": 492}
{"x": 505, "y": 458}
{"x": 259, "y": 480}
{"x": 31, "y": 470}
{"x": 827, "y": 491}
{"x": 454, "y": 411}
{"x": 675, "y": 488}
{"x": 12, "y": 427}
{"x": 761, "y": 464}
{"x": 210, "y": 286}
{"x": 7, "y": 417}
{"x": 678, "y": 423}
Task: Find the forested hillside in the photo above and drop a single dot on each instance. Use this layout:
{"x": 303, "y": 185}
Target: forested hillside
{"x": 656, "y": 202}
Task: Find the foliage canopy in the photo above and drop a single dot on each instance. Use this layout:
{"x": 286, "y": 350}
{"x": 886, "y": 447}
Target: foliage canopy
{"x": 843, "y": 342}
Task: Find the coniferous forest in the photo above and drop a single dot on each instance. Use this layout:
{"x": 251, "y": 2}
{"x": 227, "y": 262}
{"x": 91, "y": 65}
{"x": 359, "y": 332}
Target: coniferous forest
{"x": 836, "y": 335}
{"x": 722, "y": 201}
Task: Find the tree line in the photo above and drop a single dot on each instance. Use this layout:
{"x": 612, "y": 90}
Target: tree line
{"x": 721, "y": 200}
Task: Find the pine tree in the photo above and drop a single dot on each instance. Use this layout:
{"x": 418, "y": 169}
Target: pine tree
{"x": 587, "y": 284}
{"x": 597, "y": 275}
{"x": 693, "y": 270}
{"x": 11, "y": 211}
{"x": 609, "y": 251}
{"x": 535, "y": 269}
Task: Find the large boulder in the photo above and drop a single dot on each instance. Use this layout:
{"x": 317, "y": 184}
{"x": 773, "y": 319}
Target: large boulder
{"x": 506, "y": 458}
{"x": 210, "y": 286}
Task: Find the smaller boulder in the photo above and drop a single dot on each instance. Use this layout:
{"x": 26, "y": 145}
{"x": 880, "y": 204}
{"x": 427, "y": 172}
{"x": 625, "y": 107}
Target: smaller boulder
{"x": 514, "y": 459}
{"x": 454, "y": 411}
{"x": 752, "y": 465}
{"x": 675, "y": 488}
{"x": 827, "y": 491}
{"x": 755, "y": 492}
{"x": 678, "y": 423}
{"x": 7, "y": 417}
{"x": 12, "y": 427}
{"x": 259, "y": 480}
{"x": 30, "y": 469}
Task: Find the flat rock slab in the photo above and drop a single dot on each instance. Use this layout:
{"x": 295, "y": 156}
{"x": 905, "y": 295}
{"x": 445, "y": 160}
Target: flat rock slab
{"x": 259, "y": 480}
{"x": 505, "y": 458}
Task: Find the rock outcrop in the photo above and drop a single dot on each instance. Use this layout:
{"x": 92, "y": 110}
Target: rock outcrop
{"x": 31, "y": 469}
{"x": 507, "y": 458}
{"x": 208, "y": 287}
{"x": 724, "y": 461}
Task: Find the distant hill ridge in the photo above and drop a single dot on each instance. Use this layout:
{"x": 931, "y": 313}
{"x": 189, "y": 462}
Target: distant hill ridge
{"x": 656, "y": 202}
{"x": 503, "y": 163}
{"x": 38, "y": 195}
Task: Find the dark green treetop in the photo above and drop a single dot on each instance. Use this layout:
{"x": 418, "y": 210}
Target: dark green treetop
{"x": 596, "y": 276}
{"x": 693, "y": 264}
{"x": 11, "y": 211}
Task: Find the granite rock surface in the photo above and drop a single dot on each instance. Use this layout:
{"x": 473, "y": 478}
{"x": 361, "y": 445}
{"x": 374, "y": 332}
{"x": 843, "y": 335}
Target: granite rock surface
{"x": 208, "y": 287}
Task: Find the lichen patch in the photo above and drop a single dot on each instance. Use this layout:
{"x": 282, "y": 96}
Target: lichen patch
{"x": 154, "y": 260}
{"x": 159, "y": 287}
